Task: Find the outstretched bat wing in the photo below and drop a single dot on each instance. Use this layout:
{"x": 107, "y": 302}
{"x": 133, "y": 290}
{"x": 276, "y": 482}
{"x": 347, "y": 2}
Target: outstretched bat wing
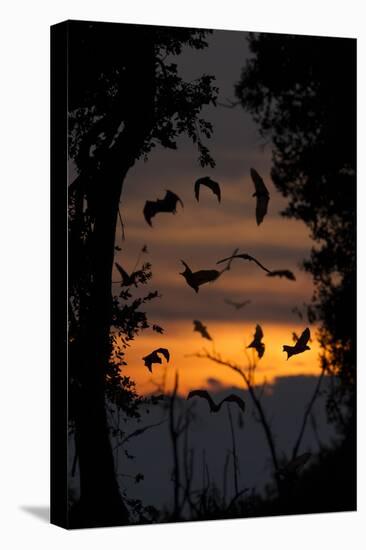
{"x": 154, "y": 357}
{"x": 232, "y": 398}
{"x": 258, "y": 335}
{"x": 282, "y": 273}
{"x": 165, "y": 352}
{"x": 259, "y": 185}
{"x": 245, "y": 256}
{"x": 205, "y": 395}
{"x": 167, "y": 204}
{"x": 199, "y": 327}
{"x": 261, "y": 208}
{"x": 237, "y": 305}
{"x": 304, "y": 338}
{"x": 211, "y": 184}
{"x": 206, "y": 276}
{"x": 150, "y": 209}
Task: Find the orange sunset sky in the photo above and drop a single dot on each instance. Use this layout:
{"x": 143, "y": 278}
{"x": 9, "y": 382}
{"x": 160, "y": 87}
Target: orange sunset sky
{"x": 203, "y": 233}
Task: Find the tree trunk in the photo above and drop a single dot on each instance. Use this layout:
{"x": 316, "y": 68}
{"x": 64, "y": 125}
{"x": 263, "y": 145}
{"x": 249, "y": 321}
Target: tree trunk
{"x": 101, "y": 502}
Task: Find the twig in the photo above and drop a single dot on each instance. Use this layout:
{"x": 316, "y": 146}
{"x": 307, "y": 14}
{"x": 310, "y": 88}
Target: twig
{"x": 257, "y": 403}
{"x": 122, "y": 225}
{"x": 235, "y": 457}
{"x": 174, "y": 438}
{"x": 307, "y": 413}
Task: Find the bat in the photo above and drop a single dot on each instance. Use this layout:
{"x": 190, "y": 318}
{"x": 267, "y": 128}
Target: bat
{"x": 167, "y": 204}
{"x": 245, "y": 256}
{"x": 213, "y": 185}
{"x": 262, "y": 195}
{"x": 232, "y": 398}
{"x": 257, "y": 343}
{"x": 197, "y": 278}
{"x": 199, "y": 327}
{"x": 282, "y": 273}
{"x": 154, "y": 357}
{"x": 128, "y": 280}
{"x": 300, "y": 345}
{"x": 237, "y": 305}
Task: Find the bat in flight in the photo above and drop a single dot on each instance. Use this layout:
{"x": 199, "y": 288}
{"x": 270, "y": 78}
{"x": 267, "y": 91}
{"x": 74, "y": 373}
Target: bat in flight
{"x": 257, "y": 343}
{"x": 167, "y": 204}
{"x": 199, "y": 327}
{"x": 211, "y": 184}
{"x": 300, "y": 344}
{"x": 197, "y": 278}
{"x": 244, "y": 256}
{"x": 237, "y": 305}
{"x": 154, "y": 357}
{"x": 128, "y": 280}
{"x": 262, "y": 195}
{"x": 232, "y": 398}
{"x": 282, "y": 273}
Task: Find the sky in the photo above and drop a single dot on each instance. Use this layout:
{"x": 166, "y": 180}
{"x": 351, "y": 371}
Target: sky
{"x": 204, "y": 232}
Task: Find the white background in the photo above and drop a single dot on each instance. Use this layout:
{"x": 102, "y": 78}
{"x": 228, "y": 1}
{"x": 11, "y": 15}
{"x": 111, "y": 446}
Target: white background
{"x": 24, "y": 272}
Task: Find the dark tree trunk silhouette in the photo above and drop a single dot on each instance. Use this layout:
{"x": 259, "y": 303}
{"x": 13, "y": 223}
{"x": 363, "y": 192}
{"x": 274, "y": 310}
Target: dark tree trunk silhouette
{"x": 101, "y": 502}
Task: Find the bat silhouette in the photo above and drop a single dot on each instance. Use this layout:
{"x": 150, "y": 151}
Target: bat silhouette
{"x": 213, "y": 407}
{"x": 128, "y": 280}
{"x": 154, "y": 357}
{"x": 295, "y": 337}
{"x": 282, "y": 273}
{"x": 300, "y": 344}
{"x": 167, "y": 204}
{"x": 244, "y": 256}
{"x": 257, "y": 343}
{"x": 237, "y": 305}
{"x": 262, "y": 195}
{"x": 199, "y": 327}
{"x": 197, "y": 278}
{"x": 213, "y": 185}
